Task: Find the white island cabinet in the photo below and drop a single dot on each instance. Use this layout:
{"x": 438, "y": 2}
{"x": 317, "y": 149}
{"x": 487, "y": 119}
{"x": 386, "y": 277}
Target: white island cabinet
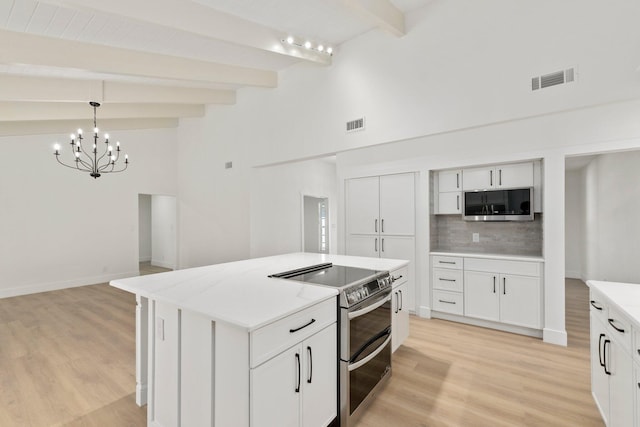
{"x": 225, "y": 345}
{"x": 615, "y": 319}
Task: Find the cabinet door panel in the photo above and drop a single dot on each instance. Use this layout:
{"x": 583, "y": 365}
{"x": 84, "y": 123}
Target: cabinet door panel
{"x": 599, "y": 379}
{"x": 397, "y": 204}
{"x": 274, "y": 400}
{"x": 401, "y": 247}
{"x": 400, "y": 317}
{"x": 449, "y": 203}
{"x": 520, "y": 300}
{"x": 320, "y": 363}
{"x": 481, "y": 298}
{"x": 362, "y": 205}
{"x": 620, "y": 386}
{"x": 449, "y": 181}
{"x": 359, "y": 245}
{"x": 514, "y": 176}
{"x": 478, "y": 178}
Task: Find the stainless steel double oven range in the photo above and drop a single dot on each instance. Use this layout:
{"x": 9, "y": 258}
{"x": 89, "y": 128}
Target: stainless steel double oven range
{"x": 364, "y": 331}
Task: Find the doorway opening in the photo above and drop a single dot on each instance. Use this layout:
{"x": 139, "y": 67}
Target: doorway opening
{"x": 156, "y": 233}
{"x": 315, "y": 224}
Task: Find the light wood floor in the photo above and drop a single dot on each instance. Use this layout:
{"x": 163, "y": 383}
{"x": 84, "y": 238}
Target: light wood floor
{"x": 67, "y": 359}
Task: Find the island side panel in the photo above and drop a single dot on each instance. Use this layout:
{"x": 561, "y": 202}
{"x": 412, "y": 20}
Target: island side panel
{"x": 231, "y": 375}
{"x": 196, "y": 369}
{"x": 142, "y": 317}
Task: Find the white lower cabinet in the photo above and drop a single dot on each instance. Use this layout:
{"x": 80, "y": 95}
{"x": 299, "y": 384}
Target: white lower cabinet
{"x": 499, "y": 290}
{"x": 400, "y": 313}
{"x": 612, "y": 375}
{"x": 298, "y": 386}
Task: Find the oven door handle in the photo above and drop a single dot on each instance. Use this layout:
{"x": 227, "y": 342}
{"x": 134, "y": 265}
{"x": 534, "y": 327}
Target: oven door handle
{"x": 369, "y": 308}
{"x": 354, "y": 366}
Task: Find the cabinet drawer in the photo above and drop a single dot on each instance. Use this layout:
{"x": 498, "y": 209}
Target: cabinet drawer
{"x": 447, "y": 262}
{"x": 636, "y": 352}
{"x": 400, "y": 276}
{"x": 619, "y": 327}
{"x": 449, "y": 302}
{"x": 276, "y": 337}
{"x": 597, "y": 306}
{"x": 448, "y": 280}
{"x": 519, "y": 268}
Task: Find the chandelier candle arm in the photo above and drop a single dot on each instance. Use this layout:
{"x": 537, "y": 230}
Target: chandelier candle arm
{"x": 91, "y": 161}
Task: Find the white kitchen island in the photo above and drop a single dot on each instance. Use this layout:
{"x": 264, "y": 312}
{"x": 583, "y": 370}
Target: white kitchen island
{"x": 215, "y": 344}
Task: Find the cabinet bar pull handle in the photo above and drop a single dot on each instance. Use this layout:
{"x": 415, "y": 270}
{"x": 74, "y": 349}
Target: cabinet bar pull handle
{"x": 393, "y": 279}
{"x": 375, "y": 226}
{"x": 604, "y": 351}
{"x": 447, "y": 302}
{"x": 310, "y": 365}
{"x": 298, "y": 362}
{"x": 446, "y": 280}
{"x": 458, "y": 181}
{"x": 376, "y": 245}
{"x": 494, "y": 284}
{"x": 491, "y": 178}
{"x": 382, "y": 225}
{"x": 382, "y": 244}
{"x": 593, "y": 304}
{"x": 504, "y": 286}
{"x": 499, "y": 176}
{"x": 458, "y": 202}
{"x": 639, "y": 351}
{"x": 401, "y": 301}
{"x": 397, "y": 302}
{"x": 615, "y": 327}
{"x": 446, "y": 262}
{"x": 600, "y": 350}
{"x": 302, "y": 327}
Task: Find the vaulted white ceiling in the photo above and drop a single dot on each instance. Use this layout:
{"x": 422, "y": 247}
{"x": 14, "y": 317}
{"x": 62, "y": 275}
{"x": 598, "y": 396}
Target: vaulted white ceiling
{"x": 165, "y": 58}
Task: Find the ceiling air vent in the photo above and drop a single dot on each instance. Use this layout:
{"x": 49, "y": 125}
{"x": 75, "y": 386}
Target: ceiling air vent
{"x": 355, "y": 125}
{"x": 553, "y": 79}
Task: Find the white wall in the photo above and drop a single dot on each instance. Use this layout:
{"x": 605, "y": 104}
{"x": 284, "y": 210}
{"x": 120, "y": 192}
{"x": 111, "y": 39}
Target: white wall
{"x": 591, "y": 260}
{"x": 311, "y": 215}
{"x": 276, "y": 206}
{"x": 60, "y": 227}
{"x": 144, "y": 227}
{"x": 574, "y": 205}
{"x": 617, "y": 225}
{"x": 163, "y": 231}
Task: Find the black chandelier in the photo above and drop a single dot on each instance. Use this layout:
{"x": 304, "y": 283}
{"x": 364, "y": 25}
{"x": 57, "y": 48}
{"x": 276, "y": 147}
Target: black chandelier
{"x": 91, "y": 161}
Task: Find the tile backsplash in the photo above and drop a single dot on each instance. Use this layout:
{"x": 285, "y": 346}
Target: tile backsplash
{"x": 452, "y": 233}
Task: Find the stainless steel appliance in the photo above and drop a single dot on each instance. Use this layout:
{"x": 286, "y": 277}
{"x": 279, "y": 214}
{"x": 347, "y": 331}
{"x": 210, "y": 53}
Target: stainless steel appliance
{"x": 498, "y": 205}
{"x": 364, "y": 333}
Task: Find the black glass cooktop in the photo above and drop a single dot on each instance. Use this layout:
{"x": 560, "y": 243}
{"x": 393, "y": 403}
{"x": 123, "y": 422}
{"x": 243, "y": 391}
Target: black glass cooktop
{"x": 337, "y": 276}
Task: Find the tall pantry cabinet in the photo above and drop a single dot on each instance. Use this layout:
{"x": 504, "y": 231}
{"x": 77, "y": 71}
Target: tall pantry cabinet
{"x": 380, "y": 221}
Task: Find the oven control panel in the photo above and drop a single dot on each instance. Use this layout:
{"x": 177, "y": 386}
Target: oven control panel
{"x": 359, "y": 293}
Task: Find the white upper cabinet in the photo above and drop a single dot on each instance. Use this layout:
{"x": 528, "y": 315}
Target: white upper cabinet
{"x": 397, "y": 204}
{"x": 450, "y": 181}
{"x": 515, "y": 175}
{"x": 363, "y": 203}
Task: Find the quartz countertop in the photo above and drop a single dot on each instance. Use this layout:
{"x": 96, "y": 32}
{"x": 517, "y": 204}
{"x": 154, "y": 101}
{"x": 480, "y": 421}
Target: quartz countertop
{"x": 492, "y": 256}
{"x": 240, "y": 292}
{"x": 624, "y": 295}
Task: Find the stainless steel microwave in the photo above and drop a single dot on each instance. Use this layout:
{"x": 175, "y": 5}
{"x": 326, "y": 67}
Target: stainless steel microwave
{"x": 498, "y": 205}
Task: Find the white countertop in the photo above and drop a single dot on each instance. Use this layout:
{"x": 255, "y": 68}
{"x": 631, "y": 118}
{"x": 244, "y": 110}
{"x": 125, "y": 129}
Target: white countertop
{"x": 492, "y": 256}
{"x": 624, "y": 295}
{"x": 240, "y": 292}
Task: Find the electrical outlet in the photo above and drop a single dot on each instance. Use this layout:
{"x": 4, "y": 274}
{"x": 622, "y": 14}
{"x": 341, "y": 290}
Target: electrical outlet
{"x": 475, "y": 237}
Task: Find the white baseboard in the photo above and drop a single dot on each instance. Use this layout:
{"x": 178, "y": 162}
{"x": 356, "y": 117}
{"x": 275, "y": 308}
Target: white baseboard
{"x": 570, "y": 274}
{"x": 163, "y": 264}
{"x": 424, "y": 312}
{"x": 141, "y": 395}
{"x": 63, "y": 284}
{"x": 536, "y": 333}
{"x": 552, "y": 336}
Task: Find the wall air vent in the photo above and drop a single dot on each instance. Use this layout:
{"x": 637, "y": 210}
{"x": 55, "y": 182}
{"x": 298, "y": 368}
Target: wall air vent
{"x": 553, "y": 79}
{"x": 355, "y": 125}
